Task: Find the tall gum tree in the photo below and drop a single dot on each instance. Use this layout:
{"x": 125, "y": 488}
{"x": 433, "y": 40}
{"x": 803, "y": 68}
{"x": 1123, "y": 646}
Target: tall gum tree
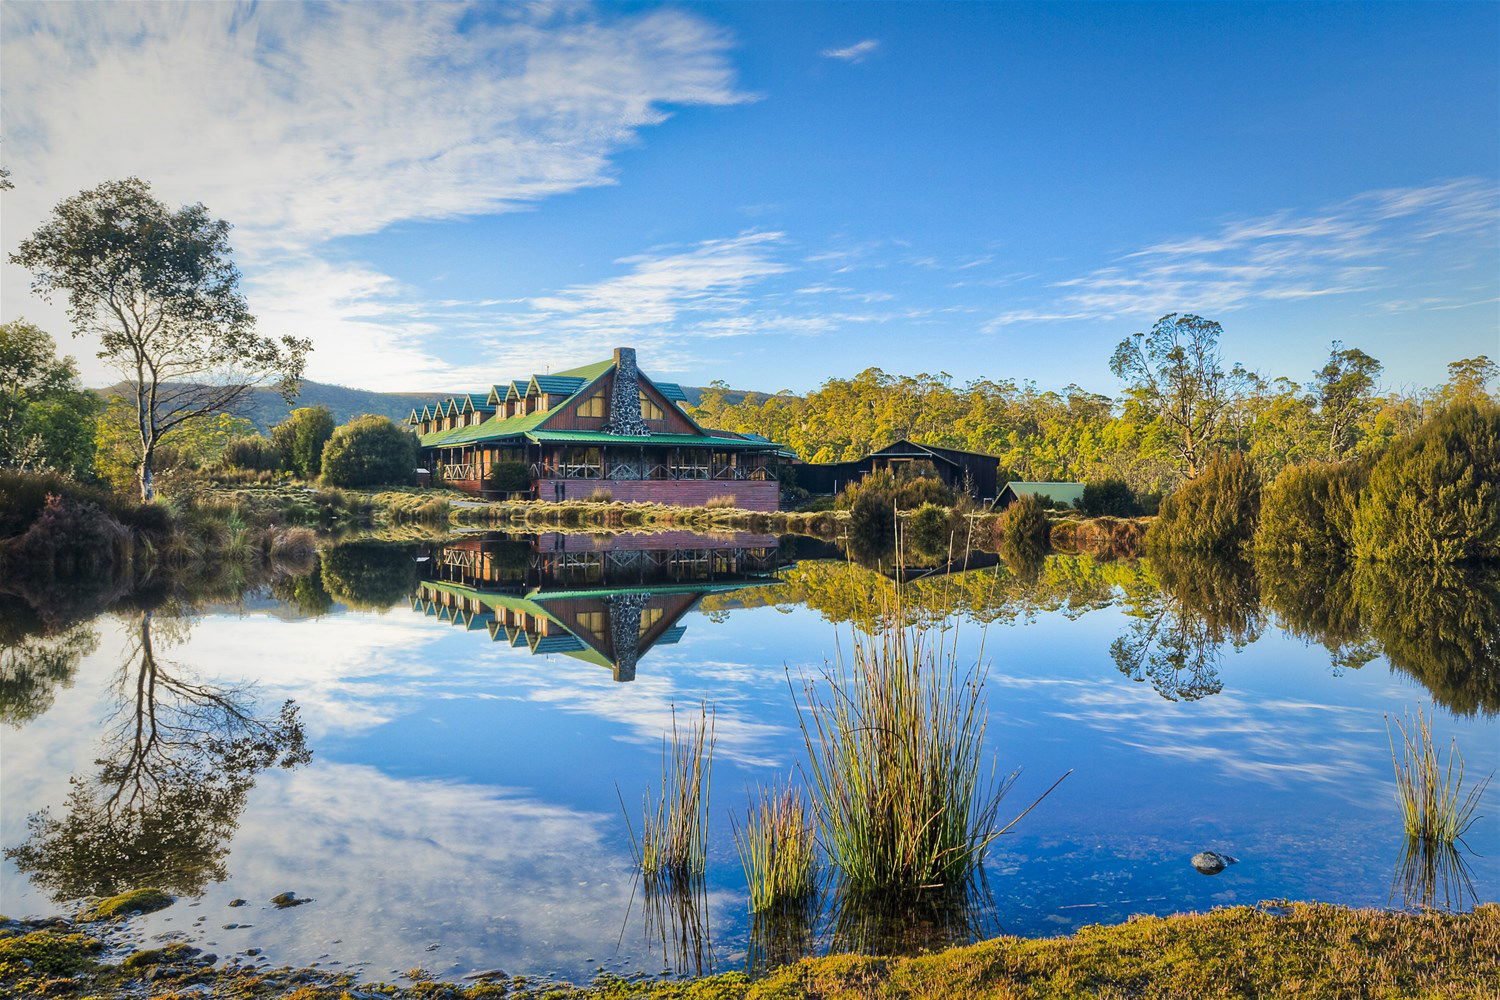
{"x": 159, "y": 290}
{"x": 1175, "y": 373}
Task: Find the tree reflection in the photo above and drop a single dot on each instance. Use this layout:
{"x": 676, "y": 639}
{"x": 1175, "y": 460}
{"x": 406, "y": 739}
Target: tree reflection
{"x": 35, "y": 663}
{"x": 1182, "y": 622}
{"x": 177, "y": 761}
{"x": 370, "y": 575}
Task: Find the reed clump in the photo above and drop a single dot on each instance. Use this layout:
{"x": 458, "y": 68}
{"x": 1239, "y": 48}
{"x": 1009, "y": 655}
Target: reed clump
{"x": 905, "y": 795}
{"x": 1435, "y": 806}
{"x": 778, "y": 849}
{"x": 674, "y": 823}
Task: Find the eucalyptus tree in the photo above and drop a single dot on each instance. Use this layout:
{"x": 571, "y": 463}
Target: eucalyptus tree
{"x": 1174, "y": 371}
{"x": 158, "y": 289}
{"x": 1343, "y": 388}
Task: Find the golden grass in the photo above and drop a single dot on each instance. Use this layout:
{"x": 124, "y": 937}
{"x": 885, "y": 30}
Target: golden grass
{"x": 778, "y": 849}
{"x": 674, "y": 823}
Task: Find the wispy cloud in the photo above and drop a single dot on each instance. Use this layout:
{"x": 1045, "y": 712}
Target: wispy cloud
{"x": 305, "y": 123}
{"x": 856, "y": 53}
{"x": 1435, "y": 237}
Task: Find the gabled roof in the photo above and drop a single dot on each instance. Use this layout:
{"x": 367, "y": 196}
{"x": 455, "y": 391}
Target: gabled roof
{"x": 569, "y": 384}
{"x": 1059, "y": 492}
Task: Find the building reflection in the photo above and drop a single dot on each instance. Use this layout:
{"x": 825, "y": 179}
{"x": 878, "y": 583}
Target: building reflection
{"x": 607, "y": 600}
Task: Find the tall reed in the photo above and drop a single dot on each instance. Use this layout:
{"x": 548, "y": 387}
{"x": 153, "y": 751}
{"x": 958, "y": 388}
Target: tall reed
{"x": 778, "y": 849}
{"x": 674, "y": 823}
{"x": 904, "y": 794}
{"x": 1435, "y": 808}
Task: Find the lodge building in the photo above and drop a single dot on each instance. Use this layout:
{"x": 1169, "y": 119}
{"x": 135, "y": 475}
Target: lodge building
{"x": 603, "y": 427}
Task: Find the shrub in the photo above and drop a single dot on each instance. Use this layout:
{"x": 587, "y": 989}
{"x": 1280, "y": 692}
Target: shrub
{"x": 1216, "y": 512}
{"x": 370, "y": 451}
{"x": 1021, "y": 529}
{"x": 726, "y": 502}
{"x": 912, "y": 492}
{"x": 257, "y": 453}
{"x": 300, "y": 439}
{"x": 602, "y": 494}
{"x": 927, "y": 530}
{"x": 23, "y": 496}
{"x": 1308, "y": 510}
{"x": 1108, "y": 498}
{"x": 1433, "y": 496}
{"x": 872, "y": 521}
{"x": 510, "y": 477}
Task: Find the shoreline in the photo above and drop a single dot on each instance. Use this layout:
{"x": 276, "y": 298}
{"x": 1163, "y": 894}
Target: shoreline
{"x": 1272, "y": 949}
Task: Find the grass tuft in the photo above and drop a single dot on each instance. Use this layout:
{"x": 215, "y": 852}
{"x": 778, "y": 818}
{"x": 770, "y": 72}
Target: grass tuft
{"x": 1435, "y": 807}
{"x": 905, "y": 796}
{"x": 674, "y": 824}
{"x": 778, "y": 849}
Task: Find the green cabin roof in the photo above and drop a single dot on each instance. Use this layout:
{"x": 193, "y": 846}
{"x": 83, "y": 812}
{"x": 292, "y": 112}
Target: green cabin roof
{"x": 1070, "y": 493}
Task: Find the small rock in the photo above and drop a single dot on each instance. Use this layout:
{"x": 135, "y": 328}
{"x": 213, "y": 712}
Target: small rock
{"x": 207, "y": 958}
{"x": 433, "y": 947}
{"x": 282, "y": 900}
{"x": 230, "y": 927}
{"x": 488, "y": 974}
{"x": 1212, "y": 862}
{"x": 233, "y": 902}
{"x": 252, "y": 951}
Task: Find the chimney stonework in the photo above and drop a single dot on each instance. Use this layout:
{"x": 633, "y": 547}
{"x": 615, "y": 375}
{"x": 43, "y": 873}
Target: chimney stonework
{"x": 625, "y": 398}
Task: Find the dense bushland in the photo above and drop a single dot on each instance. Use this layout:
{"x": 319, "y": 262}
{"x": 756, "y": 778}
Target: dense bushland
{"x": 1216, "y": 512}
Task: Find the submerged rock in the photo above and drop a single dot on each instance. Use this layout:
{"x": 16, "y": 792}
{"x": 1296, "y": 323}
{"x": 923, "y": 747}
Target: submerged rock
{"x": 236, "y": 902}
{"x": 282, "y": 900}
{"x": 1212, "y": 862}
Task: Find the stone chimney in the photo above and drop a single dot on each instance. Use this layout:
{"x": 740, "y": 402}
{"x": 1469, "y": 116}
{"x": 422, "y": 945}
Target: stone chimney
{"x": 625, "y": 400}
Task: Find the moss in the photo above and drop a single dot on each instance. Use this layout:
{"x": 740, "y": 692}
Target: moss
{"x": 142, "y": 900}
{"x": 1305, "y": 950}
{"x": 177, "y": 952}
{"x": 45, "y": 953}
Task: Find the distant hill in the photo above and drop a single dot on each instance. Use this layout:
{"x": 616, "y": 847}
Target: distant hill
{"x": 265, "y": 408}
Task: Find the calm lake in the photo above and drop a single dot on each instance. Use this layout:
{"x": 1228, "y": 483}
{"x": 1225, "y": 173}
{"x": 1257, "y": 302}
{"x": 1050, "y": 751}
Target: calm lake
{"x": 432, "y": 743}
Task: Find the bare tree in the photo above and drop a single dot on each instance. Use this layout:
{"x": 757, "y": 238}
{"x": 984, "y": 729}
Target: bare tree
{"x": 159, "y": 290}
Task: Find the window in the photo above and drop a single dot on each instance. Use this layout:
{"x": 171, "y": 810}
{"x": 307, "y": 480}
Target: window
{"x": 649, "y": 409}
{"x": 649, "y": 617}
{"x": 593, "y": 621}
{"x": 593, "y": 406}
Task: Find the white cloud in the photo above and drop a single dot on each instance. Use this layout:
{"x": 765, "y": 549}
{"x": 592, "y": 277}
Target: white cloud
{"x": 856, "y": 53}
{"x": 305, "y": 123}
{"x": 1432, "y": 239}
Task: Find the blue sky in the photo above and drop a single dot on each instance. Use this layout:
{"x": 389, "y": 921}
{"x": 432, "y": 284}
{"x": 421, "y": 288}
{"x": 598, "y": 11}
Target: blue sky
{"x": 443, "y": 195}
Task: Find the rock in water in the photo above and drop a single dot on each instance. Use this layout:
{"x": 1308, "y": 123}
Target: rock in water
{"x": 1212, "y": 862}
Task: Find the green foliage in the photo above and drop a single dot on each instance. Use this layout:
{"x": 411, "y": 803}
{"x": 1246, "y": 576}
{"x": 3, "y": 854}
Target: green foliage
{"x": 1216, "y": 512}
{"x": 1343, "y": 388}
{"x": 179, "y": 452}
{"x": 778, "y": 850}
{"x": 1308, "y": 510}
{"x": 301, "y": 437}
{"x": 1021, "y": 530}
{"x": 927, "y": 530}
{"x": 46, "y": 417}
{"x": 370, "y": 451}
{"x": 1434, "y": 496}
{"x": 256, "y": 453}
{"x": 510, "y": 477}
{"x": 1109, "y": 498}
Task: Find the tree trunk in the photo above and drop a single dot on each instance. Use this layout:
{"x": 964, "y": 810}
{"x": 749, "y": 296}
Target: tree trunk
{"x": 146, "y": 475}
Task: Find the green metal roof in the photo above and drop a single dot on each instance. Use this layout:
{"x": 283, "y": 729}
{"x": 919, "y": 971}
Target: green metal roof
{"x": 558, "y": 385}
{"x": 652, "y": 441}
{"x": 589, "y": 372}
{"x": 485, "y": 430}
{"x": 1058, "y": 492}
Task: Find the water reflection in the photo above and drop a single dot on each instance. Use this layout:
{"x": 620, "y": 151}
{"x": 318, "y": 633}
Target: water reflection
{"x": 1433, "y": 874}
{"x": 604, "y": 600}
{"x": 176, "y": 761}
